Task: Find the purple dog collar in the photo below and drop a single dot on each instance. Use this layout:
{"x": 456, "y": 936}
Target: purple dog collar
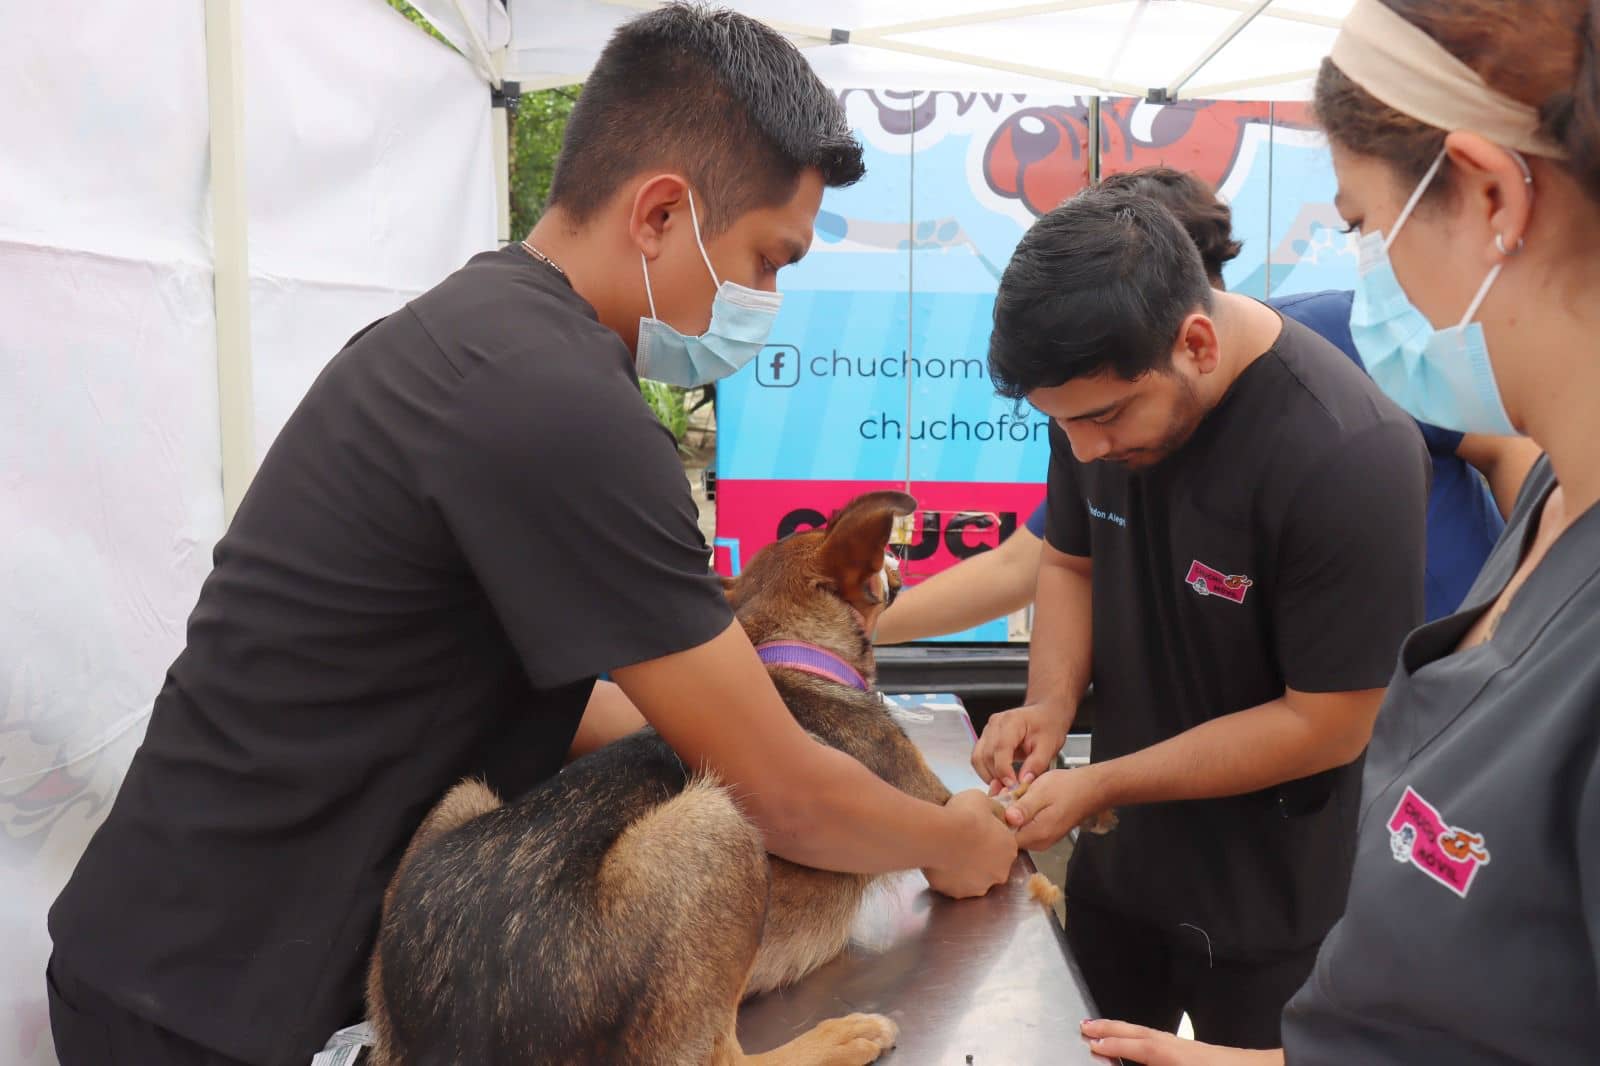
{"x": 798, "y": 655}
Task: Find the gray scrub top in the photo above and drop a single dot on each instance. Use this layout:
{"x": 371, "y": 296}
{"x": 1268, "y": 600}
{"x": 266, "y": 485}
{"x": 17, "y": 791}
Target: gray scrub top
{"x": 1472, "y": 930}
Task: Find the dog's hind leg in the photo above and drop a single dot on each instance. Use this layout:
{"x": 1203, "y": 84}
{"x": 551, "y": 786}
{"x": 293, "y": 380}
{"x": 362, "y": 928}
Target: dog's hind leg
{"x": 460, "y": 805}
{"x": 682, "y": 897}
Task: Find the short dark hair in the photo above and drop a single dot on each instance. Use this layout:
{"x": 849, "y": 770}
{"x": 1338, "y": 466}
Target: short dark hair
{"x": 1207, "y": 219}
{"x": 1102, "y": 282}
{"x": 712, "y": 93}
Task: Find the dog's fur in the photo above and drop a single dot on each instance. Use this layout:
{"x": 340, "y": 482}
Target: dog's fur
{"x": 621, "y": 911}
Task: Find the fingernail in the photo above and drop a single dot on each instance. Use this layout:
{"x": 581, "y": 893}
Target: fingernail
{"x": 1011, "y": 783}
{"x": 1027, "y": 778}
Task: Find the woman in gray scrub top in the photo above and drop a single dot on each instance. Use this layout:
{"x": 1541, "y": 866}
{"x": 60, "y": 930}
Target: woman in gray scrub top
{"x": 1471, "y": 934}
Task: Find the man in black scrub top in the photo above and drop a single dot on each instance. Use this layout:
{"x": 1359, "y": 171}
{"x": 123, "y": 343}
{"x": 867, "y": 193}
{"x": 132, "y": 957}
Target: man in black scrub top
{"x": 471, "y": 515}
{"x": 1234, "y": 552}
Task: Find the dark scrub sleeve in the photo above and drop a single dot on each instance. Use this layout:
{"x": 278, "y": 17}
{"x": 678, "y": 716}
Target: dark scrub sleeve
{"x": 1067, "y": 526}
{"x": 578, "y": 523}
{"x": 1350, "y": 576}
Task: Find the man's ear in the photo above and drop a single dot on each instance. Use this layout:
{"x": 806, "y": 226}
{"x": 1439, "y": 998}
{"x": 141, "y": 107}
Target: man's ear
{"x": 730, "y": 589}
{"x": 1197, "y": 344}
{"x": 656, "y": 203}
{"x": 856, "y": 540}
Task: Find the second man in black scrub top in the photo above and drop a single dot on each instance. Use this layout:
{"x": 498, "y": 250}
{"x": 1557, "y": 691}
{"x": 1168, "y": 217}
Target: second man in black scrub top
{"x": 1234, "y": 552}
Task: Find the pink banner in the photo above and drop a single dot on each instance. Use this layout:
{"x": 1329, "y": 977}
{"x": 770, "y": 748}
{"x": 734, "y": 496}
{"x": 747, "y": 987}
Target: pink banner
{"x": 955, "y": 520}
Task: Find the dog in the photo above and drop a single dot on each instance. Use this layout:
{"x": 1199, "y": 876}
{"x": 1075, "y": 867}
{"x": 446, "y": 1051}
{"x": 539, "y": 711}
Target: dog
{"x": 622, "y": 910}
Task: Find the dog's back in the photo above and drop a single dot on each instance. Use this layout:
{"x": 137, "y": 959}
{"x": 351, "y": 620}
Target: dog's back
{"x": 550, "y": 922}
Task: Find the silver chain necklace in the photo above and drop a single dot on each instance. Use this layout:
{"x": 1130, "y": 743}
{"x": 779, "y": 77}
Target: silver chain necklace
{"x": 545, "y": 259}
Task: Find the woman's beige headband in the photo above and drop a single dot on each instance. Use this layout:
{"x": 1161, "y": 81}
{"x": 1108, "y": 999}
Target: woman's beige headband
{"x": 1403, "y": 67}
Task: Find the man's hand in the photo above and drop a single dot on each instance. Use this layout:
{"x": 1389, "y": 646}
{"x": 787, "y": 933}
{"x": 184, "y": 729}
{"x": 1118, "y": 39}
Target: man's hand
{"x": 986, "y": 856}
{"x": 1135, "y": 1043}
{"x": 1053, "y": 805}
{"x": 1033, "y": 733}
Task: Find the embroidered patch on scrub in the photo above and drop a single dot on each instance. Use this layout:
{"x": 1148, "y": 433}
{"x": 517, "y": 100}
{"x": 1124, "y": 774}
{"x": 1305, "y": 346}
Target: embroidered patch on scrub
{"x": 1419, "y": 835}
{"x": 1209, "y": 582}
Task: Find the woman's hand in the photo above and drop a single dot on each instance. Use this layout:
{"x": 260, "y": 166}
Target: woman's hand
{"x": 1135, "y": 1043}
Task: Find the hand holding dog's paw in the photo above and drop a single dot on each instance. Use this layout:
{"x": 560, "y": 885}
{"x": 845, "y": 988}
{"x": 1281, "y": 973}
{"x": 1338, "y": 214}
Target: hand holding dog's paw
{"x": 1033, "y": 733}
{"x": 983, "y": 853}
{"x": 1055, "y": 803}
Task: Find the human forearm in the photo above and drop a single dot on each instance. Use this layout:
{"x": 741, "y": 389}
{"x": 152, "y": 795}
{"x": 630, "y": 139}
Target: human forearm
{"x": 838, "y": 815}
{"x": 1062, "y": 642}
{"x": 982, "y": 588}
{"x": 609, "y": 716}
{"x": 1236, "y": 753}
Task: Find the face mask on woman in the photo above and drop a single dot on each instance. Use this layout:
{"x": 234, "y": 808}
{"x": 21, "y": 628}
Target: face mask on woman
{"x": 1439, "y": 376}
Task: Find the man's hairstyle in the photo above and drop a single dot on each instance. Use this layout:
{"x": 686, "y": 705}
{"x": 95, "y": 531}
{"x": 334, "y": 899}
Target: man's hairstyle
{"x": 1103, "y": 282}
{"x": 714, "y": 95}
{"x": 1207, "y": 219}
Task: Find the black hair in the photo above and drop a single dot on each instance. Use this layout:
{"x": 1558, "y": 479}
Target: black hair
{"x": 1208, "y": 221}
{"x": 1102, "y": 282}
{"x": 713, "y": 94}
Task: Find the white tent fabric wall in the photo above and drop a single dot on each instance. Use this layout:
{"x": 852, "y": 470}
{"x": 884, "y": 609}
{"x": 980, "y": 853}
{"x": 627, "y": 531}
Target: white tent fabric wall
{"x": 368, "y": 179}
{"x": 109, "y": 448}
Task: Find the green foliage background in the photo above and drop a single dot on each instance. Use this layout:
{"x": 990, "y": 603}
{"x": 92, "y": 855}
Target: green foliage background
{"x": 536, "y": 130}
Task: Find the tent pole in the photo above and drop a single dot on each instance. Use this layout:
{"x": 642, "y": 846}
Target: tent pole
{"x": 1095, "y": 104}
{"x": 480, "y": 57}
{"x": 230, "y": 249}
{"x": 1244, "y": 19}
{"x": 500, "y": 120}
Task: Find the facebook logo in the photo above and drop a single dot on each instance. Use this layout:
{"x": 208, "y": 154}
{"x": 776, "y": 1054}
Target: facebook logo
{"x": 778, "y": 366}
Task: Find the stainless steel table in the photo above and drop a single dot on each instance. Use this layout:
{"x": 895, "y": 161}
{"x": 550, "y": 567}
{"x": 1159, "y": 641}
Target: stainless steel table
{"x": 989, "y": 978}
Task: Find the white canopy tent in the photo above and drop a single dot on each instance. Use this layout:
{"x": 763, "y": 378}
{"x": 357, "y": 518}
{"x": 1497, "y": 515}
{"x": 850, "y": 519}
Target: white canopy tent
{"x": 1200, "y": 49}
{"x": 200, "y": 203}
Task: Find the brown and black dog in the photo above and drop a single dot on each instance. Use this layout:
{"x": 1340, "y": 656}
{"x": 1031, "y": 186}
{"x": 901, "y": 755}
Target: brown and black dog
{"x": 621, "y": 911}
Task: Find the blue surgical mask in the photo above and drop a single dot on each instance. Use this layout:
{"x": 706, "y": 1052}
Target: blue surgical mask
{"x": 1439, "y": 376}
{"x": 741, "y": 320}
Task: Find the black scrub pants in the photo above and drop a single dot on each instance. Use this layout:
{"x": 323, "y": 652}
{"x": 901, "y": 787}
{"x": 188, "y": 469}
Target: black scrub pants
{"x": 1142, "y": 974}
{"x": 90, "y": 1030}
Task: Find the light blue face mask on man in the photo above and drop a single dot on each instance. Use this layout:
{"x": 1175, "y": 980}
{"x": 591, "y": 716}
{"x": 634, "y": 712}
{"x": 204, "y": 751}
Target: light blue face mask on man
{"x": 741, "y": 320}
{"x": 1439, "y": 376}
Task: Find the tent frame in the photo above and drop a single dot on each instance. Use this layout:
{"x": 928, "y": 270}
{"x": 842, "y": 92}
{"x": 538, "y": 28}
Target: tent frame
{"x": 230, "y": 239}
{"x": 888, "y": 38}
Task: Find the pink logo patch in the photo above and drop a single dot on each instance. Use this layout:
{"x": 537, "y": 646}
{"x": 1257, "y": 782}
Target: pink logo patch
{"x": 1418, "y": 835}
{"x": 1209, "y": 582}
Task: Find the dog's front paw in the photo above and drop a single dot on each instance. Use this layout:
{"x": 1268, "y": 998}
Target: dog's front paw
{"x": 854, "y": 1040}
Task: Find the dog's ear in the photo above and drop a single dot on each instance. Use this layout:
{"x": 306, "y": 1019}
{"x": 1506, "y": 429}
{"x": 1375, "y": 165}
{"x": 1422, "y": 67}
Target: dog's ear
{"x": 856, "y": 540}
